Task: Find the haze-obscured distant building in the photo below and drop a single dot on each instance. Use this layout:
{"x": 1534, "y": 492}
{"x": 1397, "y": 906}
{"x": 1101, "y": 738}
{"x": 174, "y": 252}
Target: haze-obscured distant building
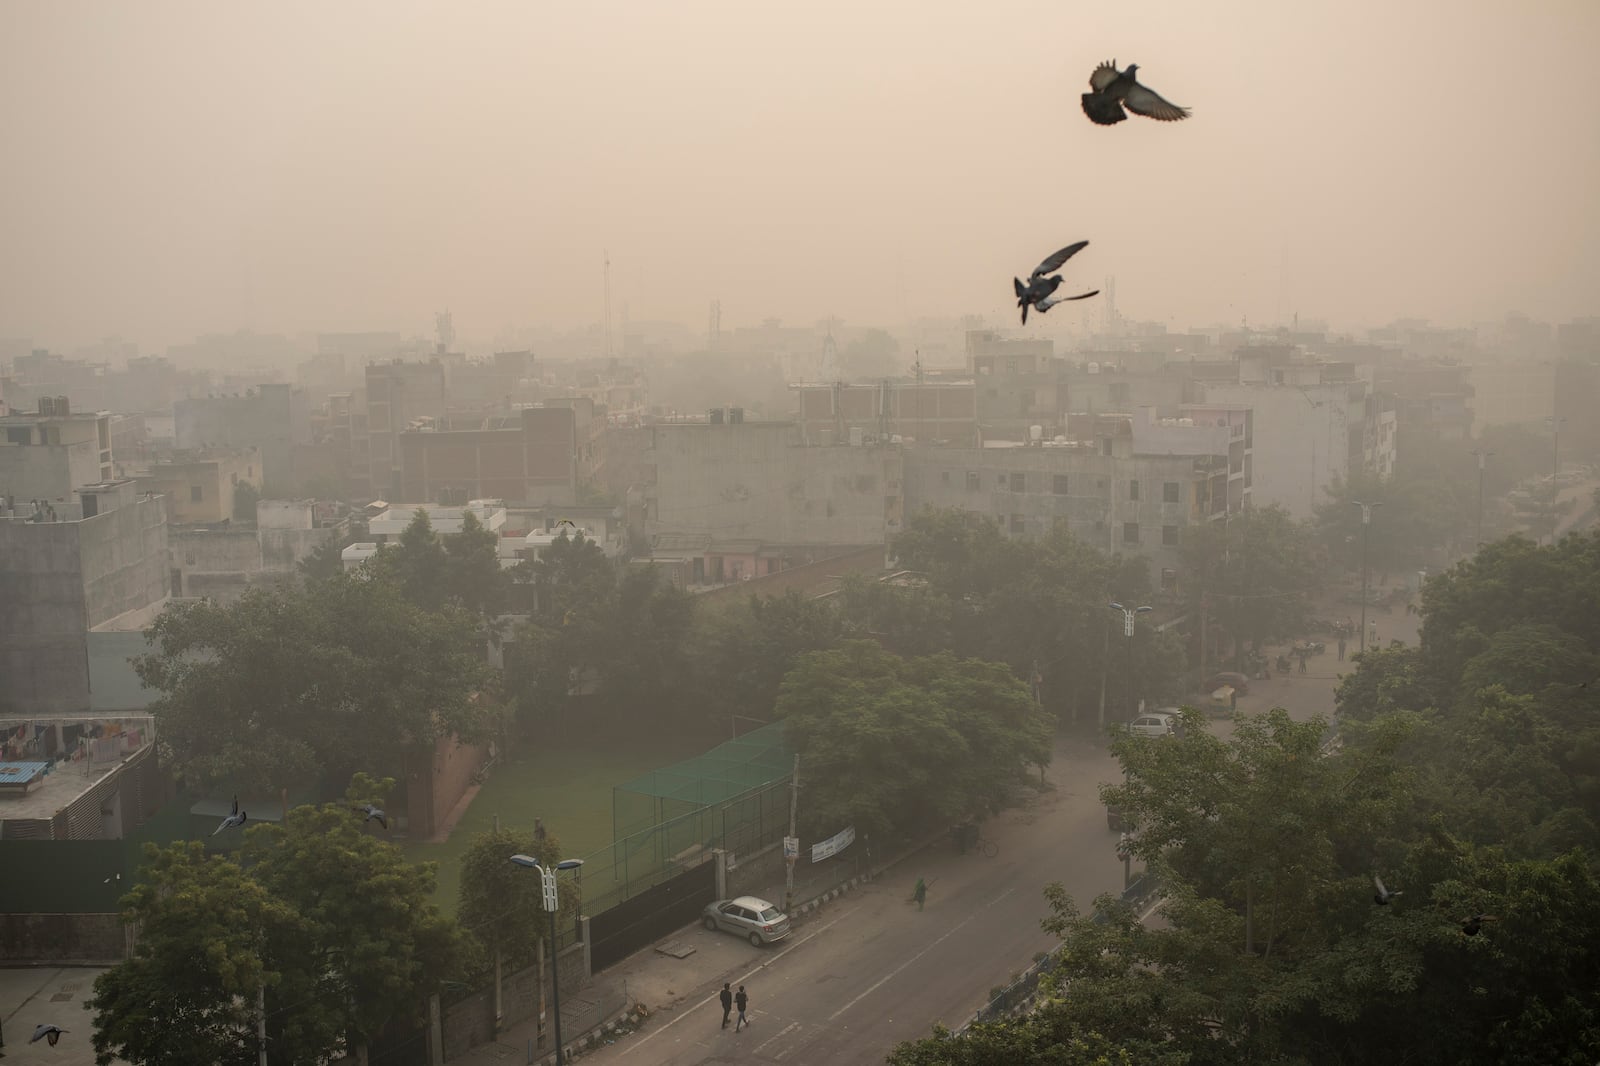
{"x": 48, "y": 454}
{"x": 273, "y": 417}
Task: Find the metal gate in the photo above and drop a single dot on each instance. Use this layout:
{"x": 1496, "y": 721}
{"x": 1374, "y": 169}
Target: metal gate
{"x": 619, "y": 931}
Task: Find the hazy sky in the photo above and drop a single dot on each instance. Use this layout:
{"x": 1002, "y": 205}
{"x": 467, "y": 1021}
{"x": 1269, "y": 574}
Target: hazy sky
{"x": 177, "y": 168}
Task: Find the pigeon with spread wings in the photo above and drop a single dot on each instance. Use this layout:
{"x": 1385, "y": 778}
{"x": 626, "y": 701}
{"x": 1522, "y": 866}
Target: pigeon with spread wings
{"x": 234, "y": 820}
{"x": 1114, "y": 90}
{"x": 1040, "y": 289}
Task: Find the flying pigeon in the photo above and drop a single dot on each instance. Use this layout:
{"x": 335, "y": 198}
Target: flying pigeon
{"x": 1040, "y": 290}
{"x": 233, "y": 821}
{"x": 373, "y": 812}
{"x": 51, "y": 1033}
{"x": 1113, "y": 90}
{"x": 1472, "y": 925}
{"x": 1384, "y": 895}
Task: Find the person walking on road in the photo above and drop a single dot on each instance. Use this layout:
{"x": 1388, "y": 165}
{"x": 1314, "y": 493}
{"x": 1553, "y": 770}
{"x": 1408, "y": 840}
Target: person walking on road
{"x": 1341, "y": 647}
{"x": 727, "y": 1003}
{"x": 920, "y": 893}
{"x": 743, "y": 1001}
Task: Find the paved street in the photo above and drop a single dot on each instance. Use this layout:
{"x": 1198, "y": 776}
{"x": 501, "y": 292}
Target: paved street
{"x": 873, "y": 970}
{"x": 52, "y": 996}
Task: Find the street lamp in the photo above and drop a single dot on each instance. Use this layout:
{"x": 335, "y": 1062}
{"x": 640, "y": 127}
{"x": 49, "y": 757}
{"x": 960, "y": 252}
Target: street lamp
{"x": 1366, "y": 524}
{"x": 1482, "y": 456}
{"x": 1555, "y": 443}
{"x": 1128, "y": 614}
{"x": 547, "y": 880}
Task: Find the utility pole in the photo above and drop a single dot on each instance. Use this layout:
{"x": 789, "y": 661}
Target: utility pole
{"x": 261, "y": 1022}
{"x": 1366, "y": 524}
{"x": 794, "y": 808}
{"x": 1482, "y": 456}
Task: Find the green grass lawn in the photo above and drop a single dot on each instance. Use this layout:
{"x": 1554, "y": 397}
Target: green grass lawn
{"x": 569, "y": 787}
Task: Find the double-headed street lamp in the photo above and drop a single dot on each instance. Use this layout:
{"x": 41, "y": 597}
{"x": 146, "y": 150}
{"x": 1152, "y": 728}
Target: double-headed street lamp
{"x": 547, "y": 880}
{"x": 1128, "y": 614}
{"x": 1366, "y": 523}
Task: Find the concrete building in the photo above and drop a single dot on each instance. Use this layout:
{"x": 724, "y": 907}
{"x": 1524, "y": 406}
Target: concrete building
{"x": 199, "y": 490}
{"x": 757, "y": 482}
{"x": 271, "y": 417}
{"x": 1309, "y": 433}
{"x": 387, "y": 526}
{"x": 221, "y": 564}
{"x": 1512, "y": 394}
{"x": 1018, "y": 385}
{"x": 1431, "y": 399}
{"x": 59, "y": 580}
{"x": 540, "y": 454}
{"x": 48, "y": 454}
{"x": 929, "y": 412}
{"x": 400, "y": 396}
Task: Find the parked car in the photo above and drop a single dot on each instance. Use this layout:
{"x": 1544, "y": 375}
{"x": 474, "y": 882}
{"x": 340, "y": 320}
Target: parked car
{"x": 748, "y": 916}
{"x": 1239, "y": 682}
{"x": 1152, "y": 725}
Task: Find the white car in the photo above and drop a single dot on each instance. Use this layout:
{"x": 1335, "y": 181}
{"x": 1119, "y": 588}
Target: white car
{"x": 748, "y": 916}
{"x": 1152, "y": 725}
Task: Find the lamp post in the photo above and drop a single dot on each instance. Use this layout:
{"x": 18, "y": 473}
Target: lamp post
{"x": 1555, "y": 443}
{"x": 1366, "y": 524}
{"x": 1482, "y": 457}
{"x": 547, "y": 880}
{"x": 1128, "y": 614}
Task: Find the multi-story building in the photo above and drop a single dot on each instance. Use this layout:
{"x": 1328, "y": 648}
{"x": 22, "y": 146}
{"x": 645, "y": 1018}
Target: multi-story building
{"x": 1512, "y": 393}
{"x": 757, "y": 482}
{"x": 1431, "y": 399}
{"x": 49, "y": 454}
{"x": 107, "y": 557}
{"x": 1017, "y": 385}
{"x": 199, "y": 489}
{"x": 221, "y": 564}
{"x": 928, "y": 412}
{"x": 400, "y": 396}
{"x": 543, "y": 454}
{"x": 1309, "y": 432}
{"x": 272, "y": 417}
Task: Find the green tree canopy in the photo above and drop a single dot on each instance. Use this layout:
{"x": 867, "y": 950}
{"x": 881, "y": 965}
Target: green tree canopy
{"x": 245, "y": 498}
{"x": 502, "y": 907}
{"x": 742, "y": 650}
{"x": 1253, "y": 575}
{"x": 287, "y": 684}
{"x": 889, "y": 744}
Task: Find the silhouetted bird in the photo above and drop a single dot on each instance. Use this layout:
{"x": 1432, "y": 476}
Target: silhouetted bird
{"x": 372, "y": 812}
{"x": 1384, "y": 895}
{"x": 1040, "y": 290}
{"x": 1471, "y": 926}
{"x": 234, "y": 820}
{"x": 1113, "y": 89}
{"x": 51, "y": 1033}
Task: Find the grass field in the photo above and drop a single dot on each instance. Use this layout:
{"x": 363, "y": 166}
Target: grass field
{"x": 569, "y": 788}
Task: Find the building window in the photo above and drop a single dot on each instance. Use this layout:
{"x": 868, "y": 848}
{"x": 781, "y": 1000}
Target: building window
{"x": 1019, "y": 482}
{"x": 1061, "y": 484}
{"x": 1130, "y": 532}
{"x": 1169, "y": 579}
{"x": 23, "y": 435}
{"x": 944, "y": 477}
{"x": 1169, "y": 492}
{"x": 1016, "y": 523}
{"x": 194, "y": 494}
{"x": 1133, "y": 490}
{"x": 1169, "y": 535}
{"x": 972, "y": 481}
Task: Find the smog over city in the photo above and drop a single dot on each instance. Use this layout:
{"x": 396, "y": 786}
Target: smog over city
{"x": 1040, "y": 533}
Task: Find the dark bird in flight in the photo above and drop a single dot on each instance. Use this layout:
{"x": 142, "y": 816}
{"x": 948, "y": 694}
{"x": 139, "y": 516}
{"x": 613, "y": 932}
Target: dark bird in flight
{"x": 1040, "y": 289}
{"x": 1384, "y": 895}
{"x": 51, "y": 1033}
{"x": 1472, "y": 925}
{"x": 374, "y": 813}
{"x": 234, "y": 820}
{"x": 1114, "y": 90}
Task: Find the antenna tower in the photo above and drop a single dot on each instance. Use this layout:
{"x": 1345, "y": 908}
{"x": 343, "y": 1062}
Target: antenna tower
{"x": 714, "y": 327}
{"x": 608, "y": 305}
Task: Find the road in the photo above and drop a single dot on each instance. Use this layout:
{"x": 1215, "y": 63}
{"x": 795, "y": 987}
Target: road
{"x": 874, "y": 970}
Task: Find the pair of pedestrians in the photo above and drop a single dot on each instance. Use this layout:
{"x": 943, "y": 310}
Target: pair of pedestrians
{"x": 729, "y": 1000}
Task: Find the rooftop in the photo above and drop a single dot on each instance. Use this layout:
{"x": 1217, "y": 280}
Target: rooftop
{"x": 67, "y": 780}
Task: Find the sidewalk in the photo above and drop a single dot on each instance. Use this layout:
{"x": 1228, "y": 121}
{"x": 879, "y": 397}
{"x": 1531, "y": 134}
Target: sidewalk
{"x": 686, "y": 968}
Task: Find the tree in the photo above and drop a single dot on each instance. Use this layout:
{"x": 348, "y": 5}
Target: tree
{"x": 1419, "y": 521}
{"x": 288, "y": 684}
{"x": 245, "y": 498}
{"x": 892, "y": 744}
{"x": 417, "y": 563}
{"x": 1254, "y": 574}
{"x": 742, "y": 651}
{"x": 187, "y": 996}
{"x": 325, "y": 561}
{"x": 473, "y": 575}
{"x": 502, "y": 906}
{"x": 375, "y": 944}
{"x": 1038, "y": 1039}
